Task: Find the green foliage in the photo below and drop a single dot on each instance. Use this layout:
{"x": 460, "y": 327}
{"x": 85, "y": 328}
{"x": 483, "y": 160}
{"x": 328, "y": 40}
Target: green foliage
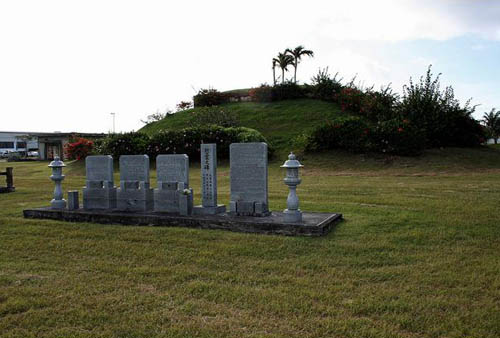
{"x": 348, "y": 133}
{"x": 324, "y": 87}
{"x": 188, "y": 141}
{"x": 439, "y": 113}
{"x": 287, "y": 91}
{"x": 214, "y": 115}
{"x": 379, "y": 105}
{"x": 179, "y": 141}
{"x": 357, "y": 135}
{"x": 132, "y": 143}
{"x": 209, "y": 97}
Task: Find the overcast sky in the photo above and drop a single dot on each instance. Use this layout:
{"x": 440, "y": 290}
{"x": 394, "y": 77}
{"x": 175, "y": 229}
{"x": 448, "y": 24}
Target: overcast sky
{"x": 66, "y": 65}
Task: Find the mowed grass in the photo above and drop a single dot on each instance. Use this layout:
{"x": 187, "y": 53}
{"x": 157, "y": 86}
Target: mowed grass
{"x": 417, "y": 256}
{"x": 280, "y": 122}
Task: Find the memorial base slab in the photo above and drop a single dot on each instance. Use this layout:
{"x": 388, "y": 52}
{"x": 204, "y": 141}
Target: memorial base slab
{"x": 201, "y": 210}
{"x": 313, "y": 224}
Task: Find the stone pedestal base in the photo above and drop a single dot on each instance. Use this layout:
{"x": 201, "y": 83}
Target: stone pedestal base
{"x": 292, "y": 216}
{"x": 99, "y": 198}
{"x": 135, "y": 199}
{"x": 201, "y": 210}
{"x": 58, "y": 204}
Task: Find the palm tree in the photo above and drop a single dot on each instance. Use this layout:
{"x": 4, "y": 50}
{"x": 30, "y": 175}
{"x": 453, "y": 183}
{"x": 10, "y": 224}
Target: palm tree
{"x": 492, "y": 122}
{"x": 297, "y": 54}
{"x": 283, "y": 60}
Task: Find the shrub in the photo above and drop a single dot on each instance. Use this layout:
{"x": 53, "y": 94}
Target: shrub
{"x": 398, "y": 137}
{"x": 264, "y": 93}
{"x": 214, "y": 116}
{"x": 351, "y": 99}
{"x": 439, "y": 113}
{"x": 133, "y": 143}
{"x": 209, "y": 97}
{"x": 349, "y": 133}
{"x": 78, "y": 149}
{"x": 324, "y": 87}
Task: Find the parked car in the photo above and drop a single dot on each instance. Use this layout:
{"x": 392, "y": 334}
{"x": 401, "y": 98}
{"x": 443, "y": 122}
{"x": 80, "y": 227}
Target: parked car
{"x": 33, "y": 154}
{"x": 4, "y": 153}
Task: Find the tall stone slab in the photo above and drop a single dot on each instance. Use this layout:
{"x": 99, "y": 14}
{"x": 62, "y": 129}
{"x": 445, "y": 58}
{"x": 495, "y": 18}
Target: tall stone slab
{"x": 173, "y": 193}
{"x": 249, "y": 192}
{"x": 209, "y": 206}
{"x": 134, "y": 193}
{"x": 99, "y": 191}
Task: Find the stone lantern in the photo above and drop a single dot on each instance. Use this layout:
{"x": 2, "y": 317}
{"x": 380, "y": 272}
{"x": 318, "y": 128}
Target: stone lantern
{"x": 292, "y": 213}
{"x": 58, "y": 202}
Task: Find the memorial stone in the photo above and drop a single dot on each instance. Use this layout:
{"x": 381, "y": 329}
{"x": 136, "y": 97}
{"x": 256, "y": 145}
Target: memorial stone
{"x": 249, "y": 190}
{"x": 173, "y": 193}
{"x": 99, "y": 192}
{"x": 73, "y": 203}
{"x": 209, "y": 206}
{"x": 134, "y": 193}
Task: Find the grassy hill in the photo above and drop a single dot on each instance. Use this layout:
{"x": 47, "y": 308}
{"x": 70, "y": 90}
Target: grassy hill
{"x": 280, "y": 122}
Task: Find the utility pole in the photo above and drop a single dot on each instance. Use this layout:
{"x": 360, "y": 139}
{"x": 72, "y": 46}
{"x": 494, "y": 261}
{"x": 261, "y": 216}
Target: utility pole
{"x": 113, "y": 122}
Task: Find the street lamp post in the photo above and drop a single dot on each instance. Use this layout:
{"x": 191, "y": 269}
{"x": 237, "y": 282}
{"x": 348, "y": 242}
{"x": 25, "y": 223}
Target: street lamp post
{"x": 113, "y": 121}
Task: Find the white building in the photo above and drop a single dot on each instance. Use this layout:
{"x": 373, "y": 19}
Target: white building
{"x": 18, "y": 141}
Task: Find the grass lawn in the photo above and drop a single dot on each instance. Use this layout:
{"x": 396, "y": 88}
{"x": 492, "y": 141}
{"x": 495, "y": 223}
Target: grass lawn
{"x": 418, "y": 255}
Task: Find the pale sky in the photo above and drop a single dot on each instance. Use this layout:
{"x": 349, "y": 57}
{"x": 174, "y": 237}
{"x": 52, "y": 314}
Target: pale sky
{"x": 66, "y": 65}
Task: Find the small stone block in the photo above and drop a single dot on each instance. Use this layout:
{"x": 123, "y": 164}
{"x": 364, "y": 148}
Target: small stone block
{"x": 73, "y": 202}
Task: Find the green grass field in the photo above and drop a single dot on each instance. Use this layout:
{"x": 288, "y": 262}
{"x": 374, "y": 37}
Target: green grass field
{"x": 280, "y": 122}
{"x": 417, "y": 256}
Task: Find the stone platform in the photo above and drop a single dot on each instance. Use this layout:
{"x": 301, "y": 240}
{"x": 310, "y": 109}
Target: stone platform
{"x": 314, "y": 224}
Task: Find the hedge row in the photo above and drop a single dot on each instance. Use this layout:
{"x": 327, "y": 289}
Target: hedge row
{"x": 183, "y": 141}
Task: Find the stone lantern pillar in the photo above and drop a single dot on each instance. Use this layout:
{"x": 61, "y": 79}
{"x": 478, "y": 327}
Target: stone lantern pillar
{"x": 57, "y": 202}
{"x": 292, "y": 213}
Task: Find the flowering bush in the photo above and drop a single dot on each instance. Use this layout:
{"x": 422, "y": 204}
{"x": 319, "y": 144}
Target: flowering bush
{"x": 78, "y": 149}
{"x": 398, "y": 137}
{"x": 350, "y": 99}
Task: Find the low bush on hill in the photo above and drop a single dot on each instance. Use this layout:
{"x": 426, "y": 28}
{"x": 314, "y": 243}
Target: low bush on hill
{"x": 180, "y": 141}
{"x": 398, "y": 137}
{"x": 209, "y": 97}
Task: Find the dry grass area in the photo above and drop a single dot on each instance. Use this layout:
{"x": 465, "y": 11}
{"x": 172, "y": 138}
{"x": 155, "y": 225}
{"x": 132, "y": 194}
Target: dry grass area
{"x": 417, "y": 256}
